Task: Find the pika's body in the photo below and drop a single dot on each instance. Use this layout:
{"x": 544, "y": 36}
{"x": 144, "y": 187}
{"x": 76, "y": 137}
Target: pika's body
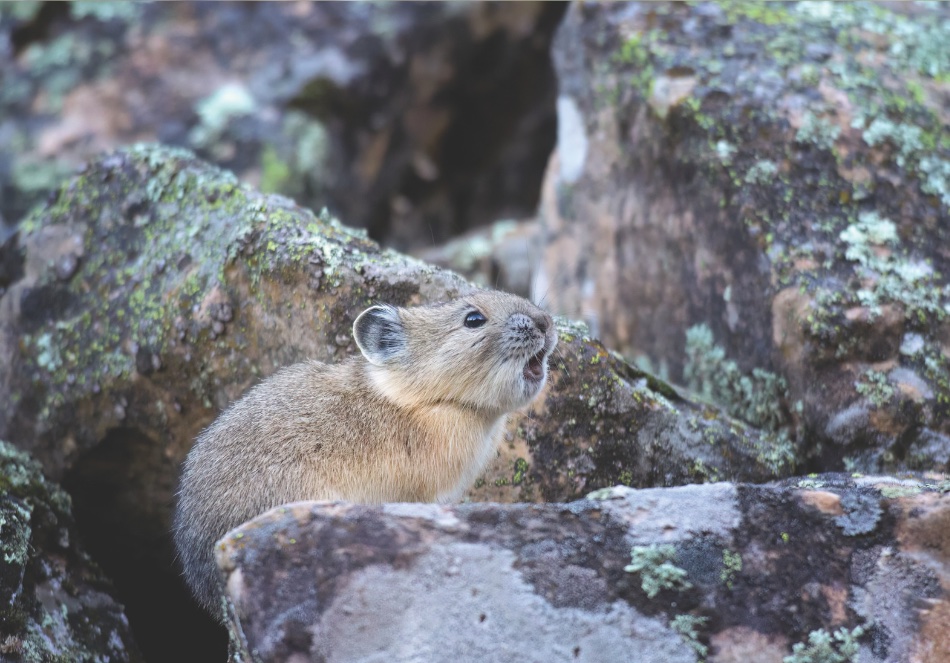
{"x": 414, "y": 418}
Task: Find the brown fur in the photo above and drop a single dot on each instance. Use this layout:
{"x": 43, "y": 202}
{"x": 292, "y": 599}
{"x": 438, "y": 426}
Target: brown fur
{"x": 414, "y": 418}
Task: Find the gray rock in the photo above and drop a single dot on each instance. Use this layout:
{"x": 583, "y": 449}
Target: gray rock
{"x": 737, "y": 568}
{"x": 741, "y": 175}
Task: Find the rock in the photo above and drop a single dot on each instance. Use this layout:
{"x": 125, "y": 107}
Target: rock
{"x": 55, "y": 604}
{"x": 856, "y": 569}
{"x": 190, "y": 287}
{"x": 411, "y": 120}
{"x": 772, "y": 182}
{"x": 505, "y": 255}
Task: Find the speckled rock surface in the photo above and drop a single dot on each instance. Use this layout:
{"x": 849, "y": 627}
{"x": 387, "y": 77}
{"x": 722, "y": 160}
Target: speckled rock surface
{"x": 820, "y": 568}
{"x": 55, "y": 604}
{"x": 416, "y": 120}
{"x": 755, "y": 200}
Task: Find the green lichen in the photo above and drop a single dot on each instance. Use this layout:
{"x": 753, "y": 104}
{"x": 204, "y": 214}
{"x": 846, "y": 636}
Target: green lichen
{"x": 922, "y": 47}
{"x": 755, "y": 397}
{"x": 936, "y": 179}
{"x": 140, "y": 291}
{"x": 33, "y": 177}
{"x": 731, "y": 567}
{"x": 637, "y": 54}
{"x": 763, "y": 13}
{"x": 725, "y": 150}
{"x": 761, "y": 172}
{"x": 520, "y": 471}
{"x": 894, "y": 277}
{"x": 688, "y": 626}
{"x": 310, "y": 139}
{"x": 896, "y": 492}
{"x": 905, "y": 137}
{"x": 216, "y": 111}
{"x": 568, "y": 329}
{"x": 840, "y": 647}
{"x": 875, "y": 386}
{"x": 817, "y": 131}
{"x": 105, "y": 11}
{"x": 656, "y": 568}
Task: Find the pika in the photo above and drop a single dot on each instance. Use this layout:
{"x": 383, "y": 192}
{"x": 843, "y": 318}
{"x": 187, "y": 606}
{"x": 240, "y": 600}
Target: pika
{"x": 413, "y": 418}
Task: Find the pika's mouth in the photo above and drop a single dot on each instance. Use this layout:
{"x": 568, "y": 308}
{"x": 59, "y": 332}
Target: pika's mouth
{"x": 534, "y": 369}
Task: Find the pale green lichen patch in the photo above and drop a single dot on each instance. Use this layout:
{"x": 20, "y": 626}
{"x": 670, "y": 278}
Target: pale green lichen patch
{"x": 657, "y": 571}
{"x": 817, "y": 131}
{"x": 761, "y": 172}
{"x": 757, "y": 396}
{"x": 569, "y": 329}
{"x": 872, "y": 243}
{"x": 105, "y": 11}
{"x": 874, "y": 386}
{"x": 215, "y": 111}
{"x": 731, "y": 567}
{"x": 688, "y": 626}
{"x": 754, "y": 397}
{"x": 822, "y": 647}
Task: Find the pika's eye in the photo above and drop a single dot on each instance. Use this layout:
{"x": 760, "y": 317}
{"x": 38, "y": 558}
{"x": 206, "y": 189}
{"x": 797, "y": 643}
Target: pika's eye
{"x": 475, "y": 319}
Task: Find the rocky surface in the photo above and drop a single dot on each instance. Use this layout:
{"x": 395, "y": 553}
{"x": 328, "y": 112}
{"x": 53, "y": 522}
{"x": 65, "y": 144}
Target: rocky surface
{"x": 756, "y": 201}
{"x": 504, "y": 255}
{"x": 417, "y": 121}
{"x": 55, "y": 603}
{"x": 749, "y": 199}
{"x": 824, "y": 569}
{"x": 154, "y": 289}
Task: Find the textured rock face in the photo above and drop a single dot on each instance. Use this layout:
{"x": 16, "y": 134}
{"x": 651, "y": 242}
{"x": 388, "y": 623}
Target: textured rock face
{"x": 828, "y": 569}
{"x": 780, "y": 176}
{"x": 156, "y": 289}
{"x": 415, "y": 120}
{"x": 55, "y": 604}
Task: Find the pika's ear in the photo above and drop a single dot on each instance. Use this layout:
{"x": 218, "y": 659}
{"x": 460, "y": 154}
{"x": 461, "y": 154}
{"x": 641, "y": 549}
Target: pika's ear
{"x": 379, "y": 334}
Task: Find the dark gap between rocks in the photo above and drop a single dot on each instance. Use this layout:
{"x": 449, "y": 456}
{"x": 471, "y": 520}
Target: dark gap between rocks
{"x": 121, "y": 501}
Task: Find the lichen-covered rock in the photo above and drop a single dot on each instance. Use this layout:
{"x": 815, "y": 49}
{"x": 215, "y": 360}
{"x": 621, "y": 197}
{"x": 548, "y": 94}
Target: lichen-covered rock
{"x": 504, "y": 255}
{"x": 828, "y": 568}
{"x": 155, "y": 289}
{"x": 414, "y": 120}
{"x": 756, "y": 200}
{"x": 55, "y": 604}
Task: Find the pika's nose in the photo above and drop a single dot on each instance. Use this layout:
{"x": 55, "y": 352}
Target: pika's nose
{"x": 543, "y": 321}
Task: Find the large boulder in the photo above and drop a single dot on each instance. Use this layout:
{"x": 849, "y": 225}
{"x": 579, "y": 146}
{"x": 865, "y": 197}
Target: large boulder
{"x": 824, "y": 569}
{"x": 757, "y": 200}
{"x": 155, "y": 289}
{"x": 416, "y": 120}
{"x": 55, "y": 603}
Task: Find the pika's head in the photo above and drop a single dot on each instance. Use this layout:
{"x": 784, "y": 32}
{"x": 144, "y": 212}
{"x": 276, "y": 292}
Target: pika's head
{"x": 487, "y": 350}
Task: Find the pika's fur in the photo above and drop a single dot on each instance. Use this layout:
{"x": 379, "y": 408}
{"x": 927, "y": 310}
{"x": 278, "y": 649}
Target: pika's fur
{"x": 414, "y": 418}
